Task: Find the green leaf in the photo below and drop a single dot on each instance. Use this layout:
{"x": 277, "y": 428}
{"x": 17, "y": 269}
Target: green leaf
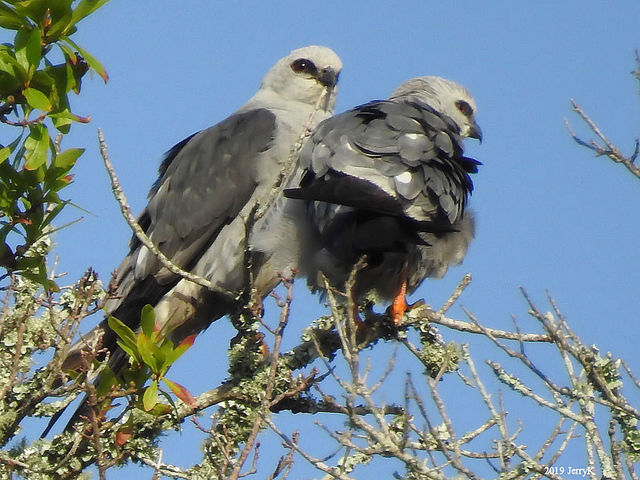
{"x": 122, "y": 331}
{"x": 67, "y": 159}
{"x": 69, "y": 53}
{"x": 34, "y": 9}
{"x": 4, "y": 153}
{"x": 59, "y": 8}
{"x": 59, "y": 184}
{"x": 147, "y": 320}
{"x": 28, "y": 45}
{"x": 63, "y": 125}
{"x": 150, "y": 397}
{"x": 59, "y": 27}
{"x": 64, "y": 80}
{"x": 145, "y": 347}
{"x": 9, "y": 22}
{"x": 36, "y": 144}
{"x": 131, "y": 351}
{"x": 51, "y": 286}
{"x": 8, "y": 82}
{"x": 164, "y": 356}
{"x": 82, "y": 10}
{"x": 90, "y": 59}
{"x": 135, "y": 374}
{"x": 37, "y": 278}
{"x": 30, "y": 263}
{"x": 106, "y": 380}
{"x": 45, "y": 83}
{"x": 160, "y": 409}
{"x": 60, "y": 14}
{"x": 42, "y": 80}
{"x": 34, "y": 47}
{"x": 9, "y": 19}
{"x": 10, "y": 65}
{"x": 37, "y": 99}
{"x": 52, "y": 213}
{"x": 180, "y": 349}
{"x": 62, "y": 120}
{"x": 66, "y": 114}
{"x": 169, "y": 399}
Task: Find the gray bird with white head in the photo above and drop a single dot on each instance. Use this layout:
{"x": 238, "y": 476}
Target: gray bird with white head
{"x": 389, "y": 181}
{"x": 207, "y": 187}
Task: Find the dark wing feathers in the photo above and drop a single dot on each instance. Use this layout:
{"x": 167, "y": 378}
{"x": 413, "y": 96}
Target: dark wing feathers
{"x": 204, "y": 181}
{"x": 401, "y": 150}
{"x": 347, "y": 191}
{"x": 387, "y": 180}
{"x": 166, "y": 161}
{"x": 207, "y": 182}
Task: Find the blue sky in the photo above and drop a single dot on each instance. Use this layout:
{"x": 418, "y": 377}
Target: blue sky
{"x": 550, "y": 216}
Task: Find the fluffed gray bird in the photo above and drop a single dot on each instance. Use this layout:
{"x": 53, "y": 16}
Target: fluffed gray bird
{"x": 389, "y": 181}
{"x": 207, "y": 188}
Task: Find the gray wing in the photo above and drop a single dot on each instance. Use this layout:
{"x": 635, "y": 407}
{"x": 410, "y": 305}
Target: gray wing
{"x": 204, "y": 182}
{"x": 392, "y": 157}
{"x": 388, "y": 180}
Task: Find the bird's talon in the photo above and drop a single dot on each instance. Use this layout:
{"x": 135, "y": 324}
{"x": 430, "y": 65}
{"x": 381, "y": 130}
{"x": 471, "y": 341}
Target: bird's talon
{"x": 415, "y": 305}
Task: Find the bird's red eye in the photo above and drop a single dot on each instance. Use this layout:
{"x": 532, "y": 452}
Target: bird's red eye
{"x": 464, "y": 108}
{"x": 302, "y": 65}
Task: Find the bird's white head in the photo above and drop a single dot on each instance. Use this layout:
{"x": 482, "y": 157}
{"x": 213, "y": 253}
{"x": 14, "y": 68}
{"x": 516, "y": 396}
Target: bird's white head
{"x": 446, "y": 97}
{"x": 304, "y": 75}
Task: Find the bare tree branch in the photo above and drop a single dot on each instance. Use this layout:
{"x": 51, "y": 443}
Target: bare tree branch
{"x": 605, "y": 147}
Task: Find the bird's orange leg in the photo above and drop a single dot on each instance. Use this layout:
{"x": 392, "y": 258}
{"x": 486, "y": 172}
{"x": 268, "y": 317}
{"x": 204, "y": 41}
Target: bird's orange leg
{"x": 399, "y": 305}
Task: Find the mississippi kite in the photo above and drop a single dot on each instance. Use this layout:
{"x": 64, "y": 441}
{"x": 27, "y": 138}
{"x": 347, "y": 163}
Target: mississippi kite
{"x": 207, "y": 187}
{"x": 389, "y": 181}
{"x": 197, "y": 210}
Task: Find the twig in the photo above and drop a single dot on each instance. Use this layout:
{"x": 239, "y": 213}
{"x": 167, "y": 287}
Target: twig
{"x": 609, "y": 150}
{"x": 614, "y": 448}
{"x": 636, "y": 72}
{"x": 425, "y": 313}
{"x": 455, "y": 444}
{"x": 630, "y": 468}
{"x": 285, "y": 463}
{"x": 268, "y": 394}
{"x": 561, "y": 335}
{"x": 516, "y": 385}
{"x": 163, "y": 468}
{"x": 316, "y": 462}
{"x": 569, "y": 436}
{"x": 288, "y": 168}
{"x": 464, "y": 283}
{"x": 634, "y": 379}
{"x": 13, "y": 463}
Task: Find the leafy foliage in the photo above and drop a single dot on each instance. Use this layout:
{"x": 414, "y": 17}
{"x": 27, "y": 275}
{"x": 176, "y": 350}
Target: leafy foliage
{"x": 150, "y": 356}
{"x": 34, "y": 100}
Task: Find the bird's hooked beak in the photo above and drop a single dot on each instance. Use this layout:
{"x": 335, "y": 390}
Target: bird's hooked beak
{"x": 328, "y": 77}
{"x": 475, "y": 132}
